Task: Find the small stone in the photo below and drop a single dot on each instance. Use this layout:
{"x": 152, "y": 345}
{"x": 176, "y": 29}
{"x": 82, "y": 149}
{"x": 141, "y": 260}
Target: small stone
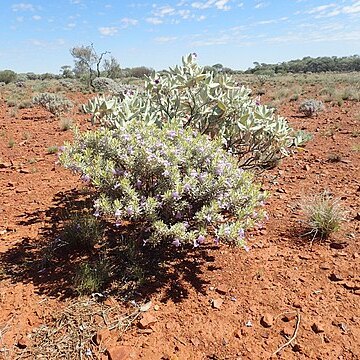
{"x": 146, "y": 331}
{"x": 297, "y": 305}
{"x": 339, "y": 245}
{"x": 216, "y": 303}
{"x": 267, "y": 320}
{"x": 287, "y": 330}
{"x": 24, "y": 171}
{"x": 156, "y": 307}
{"x": 355, "y": 255}
{"x": 23, "y": 342}
{"x": 297, "y": 348}
{"x": 222, "y": 289}
{"x": 317, "y": 328}
{"x": 357, "y": 217}
{"x": 119, "y": 353}
{"x": 325, "y": 266}
{"x": 289, "y": 317}
{"x": 147, "y": 321}
{"x": 335, "y": 277}
{"x": 102, "y": 336}
{"x": 195, "y": 341}
{"x": 238, "y": 334}
{"x": 4, "y": 165}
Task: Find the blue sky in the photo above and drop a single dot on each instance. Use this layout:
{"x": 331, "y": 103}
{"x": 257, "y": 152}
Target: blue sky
{"x": 36, "y": 35}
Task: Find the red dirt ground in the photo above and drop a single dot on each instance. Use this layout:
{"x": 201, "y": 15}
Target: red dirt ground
{"x": 317, "y": 286}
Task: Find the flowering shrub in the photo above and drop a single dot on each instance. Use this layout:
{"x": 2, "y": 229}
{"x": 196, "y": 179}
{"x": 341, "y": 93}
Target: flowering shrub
{"x": 56, "y": 104}
{"x": 311, "y": 107}
{"x": 176, "y": 184}
{"x": 211, "y": 103}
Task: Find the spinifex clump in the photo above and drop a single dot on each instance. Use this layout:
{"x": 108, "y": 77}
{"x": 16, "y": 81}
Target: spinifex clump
{"x": 177, "y": 185}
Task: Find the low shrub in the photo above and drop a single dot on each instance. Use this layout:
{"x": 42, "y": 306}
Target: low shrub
{"x": 311, "y": 107}
{"x": 177, "y": 185}
{"x": 56, "y": 104}
{"x": 213, "y": 104}
{"x": 7, "y": 76}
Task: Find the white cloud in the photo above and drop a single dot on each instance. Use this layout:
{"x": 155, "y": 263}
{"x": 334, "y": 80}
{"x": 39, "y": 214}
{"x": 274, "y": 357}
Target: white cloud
{"x": 154, "y": 21}
{"x": 352, "y": 9}
{"x": 126, "y": 22}
{"x": 164, "y": 11}
{"x": 165, "y": 39}
{"x": 108, "y": 30}
{"x": 321, "y": 8}
{"x": 36, "y": 17}
{"x": 23, "y": 7}
{"x": 261, "y": 5}
{"x": 218, "y": 4}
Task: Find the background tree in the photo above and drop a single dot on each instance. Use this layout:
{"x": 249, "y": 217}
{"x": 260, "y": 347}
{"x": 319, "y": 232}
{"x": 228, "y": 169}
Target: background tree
{"x": 87, "y": 62}
{"x": 111, "y": 68}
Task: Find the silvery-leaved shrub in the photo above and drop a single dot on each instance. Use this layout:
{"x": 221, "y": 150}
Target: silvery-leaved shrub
{"x": 311, "y": 107}
{"x": 54, "y": 103}
{"x": 176, "y": 184}
{"x": 212, "y": 103}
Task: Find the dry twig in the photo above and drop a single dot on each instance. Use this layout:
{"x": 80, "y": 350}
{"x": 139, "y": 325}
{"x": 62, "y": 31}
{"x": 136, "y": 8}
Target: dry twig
{"x": 292, "y": 338}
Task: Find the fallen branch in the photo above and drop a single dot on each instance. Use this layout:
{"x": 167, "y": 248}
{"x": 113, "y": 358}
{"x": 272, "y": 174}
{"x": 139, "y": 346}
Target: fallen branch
{"x": 292, "y": 338}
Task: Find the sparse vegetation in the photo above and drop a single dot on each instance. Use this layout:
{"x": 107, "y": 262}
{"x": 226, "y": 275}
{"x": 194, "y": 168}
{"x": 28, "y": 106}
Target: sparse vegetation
{"x": 52, "y": 149}
{"x": 91, "y": 277}
{"x": 82, "y": 232}
{"x": 323, "y": 214}
{"x": 55, "y": 103}
{"x": 311, "y": 107}
{"x": 65, "y": 124}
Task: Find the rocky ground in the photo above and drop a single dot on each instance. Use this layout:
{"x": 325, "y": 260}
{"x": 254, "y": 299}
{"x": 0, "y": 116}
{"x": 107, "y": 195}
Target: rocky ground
{"x": 221, "y": 303}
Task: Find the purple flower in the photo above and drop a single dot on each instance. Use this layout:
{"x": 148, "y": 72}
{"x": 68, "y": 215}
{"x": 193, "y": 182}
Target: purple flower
{"x": 166, "y": 173}
{"x": 86, "y": 178}
{"x": 176, "y": 242}
{"x": 201, "y": 239}
{"x": 118, "y": 212}
{"x": 254, "y": 215}
{"x": 178, "y": 215}
{"x": 202, "y": 176}
{"x": 257, "y": 101}
{"x": 193, "y": 173}
{"x": 196, "y": 244}
{"x": 194, "y": 54}
{"x": 216, "y": 241}
{"x": 241, "y": 233}
{"x": 208, "y": 218}
{"x": 187, "y": 187}
{"x": 116, "y": 186}
{"x": 138, "y": 184}
{"x": 172, "y": 134}
{"x": 175, "y": 195}
{"x": 246, "y": 248}
{"x": 130, "y": 210}
{"x": 97, "y": 213}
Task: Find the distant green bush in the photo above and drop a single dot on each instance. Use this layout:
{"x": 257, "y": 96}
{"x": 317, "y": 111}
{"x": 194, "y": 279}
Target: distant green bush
{"x": 7, "y": 76}
{"x": 311, "y": 107}
{"x": 56, "y": 104}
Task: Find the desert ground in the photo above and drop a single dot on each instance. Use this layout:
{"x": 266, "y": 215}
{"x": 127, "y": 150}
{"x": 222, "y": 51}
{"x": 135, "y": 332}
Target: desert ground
{"x": 214, "y": 302}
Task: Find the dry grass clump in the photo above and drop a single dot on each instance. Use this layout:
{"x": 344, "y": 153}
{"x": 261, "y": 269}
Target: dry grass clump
{"x": 323, "y": 214}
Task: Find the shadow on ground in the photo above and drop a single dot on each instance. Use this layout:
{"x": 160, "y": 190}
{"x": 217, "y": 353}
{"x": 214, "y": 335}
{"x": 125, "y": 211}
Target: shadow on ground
{"x": 134, "y": 269}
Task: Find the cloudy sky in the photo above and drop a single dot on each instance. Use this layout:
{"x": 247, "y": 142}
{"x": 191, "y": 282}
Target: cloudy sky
{"x": 37, "y": 35}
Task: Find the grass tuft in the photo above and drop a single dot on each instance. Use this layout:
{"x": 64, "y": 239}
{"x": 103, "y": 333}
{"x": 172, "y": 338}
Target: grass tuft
{"x": 323, "y": 215}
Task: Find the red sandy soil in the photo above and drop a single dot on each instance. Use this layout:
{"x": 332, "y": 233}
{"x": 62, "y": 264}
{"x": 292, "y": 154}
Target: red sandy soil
{"x": 317, "y": 287}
